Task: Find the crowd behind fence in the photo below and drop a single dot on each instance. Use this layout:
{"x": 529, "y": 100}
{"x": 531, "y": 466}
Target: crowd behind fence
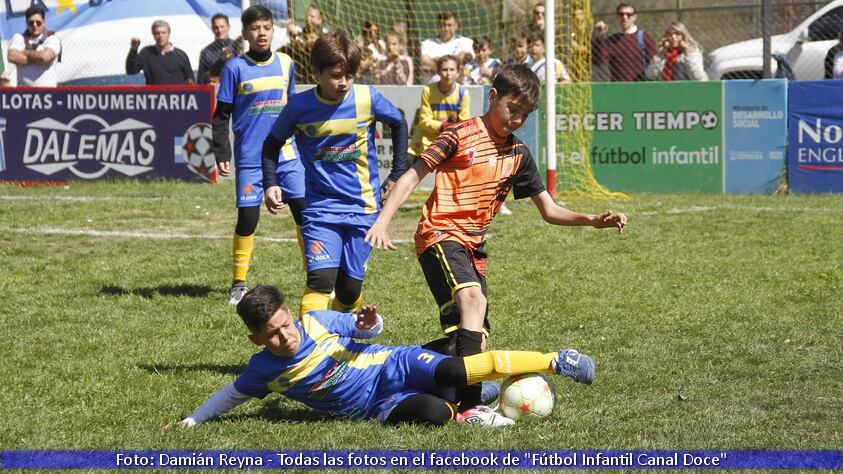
{"x": 712, "y": 28}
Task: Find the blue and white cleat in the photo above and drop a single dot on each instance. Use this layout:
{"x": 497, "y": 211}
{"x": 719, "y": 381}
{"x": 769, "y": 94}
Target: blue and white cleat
{"x": 571, "y": 363}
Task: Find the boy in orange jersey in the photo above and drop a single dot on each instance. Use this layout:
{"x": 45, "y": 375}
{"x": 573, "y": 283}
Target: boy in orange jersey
{"x": 477, "y": 163}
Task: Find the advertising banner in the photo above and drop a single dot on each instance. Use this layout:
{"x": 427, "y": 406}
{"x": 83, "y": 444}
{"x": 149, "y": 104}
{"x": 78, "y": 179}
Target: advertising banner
{"x": 91, "y": 133}
{"x": 651, "y": 137}
{"x": 815, "y": 155}
{"x": 755, "y": 135}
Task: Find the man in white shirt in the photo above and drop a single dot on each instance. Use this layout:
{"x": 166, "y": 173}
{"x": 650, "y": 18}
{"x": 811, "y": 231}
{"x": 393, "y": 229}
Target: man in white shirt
{"x": 35, "y": 51}
{"x": 447, "y": 43}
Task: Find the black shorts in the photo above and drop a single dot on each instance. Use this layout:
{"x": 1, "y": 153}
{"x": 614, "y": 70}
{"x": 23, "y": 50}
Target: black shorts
{"x": 448, "y": 267}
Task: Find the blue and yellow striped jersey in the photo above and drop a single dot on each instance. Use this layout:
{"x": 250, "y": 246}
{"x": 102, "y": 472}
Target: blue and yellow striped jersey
{"x": 330, "y": 372}
{"x": 435, "y": 108}
{"x": 258, "y": 91}
{"x": 336, "y": 141}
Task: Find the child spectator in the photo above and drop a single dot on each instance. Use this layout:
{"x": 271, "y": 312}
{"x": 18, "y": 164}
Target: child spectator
{"x": 442, "y": 104}
{"x": 538, "y": 66}
{"x": 482, "y": 68}
{"x": 396, "y": 68}
{"x": 518, "y": 51}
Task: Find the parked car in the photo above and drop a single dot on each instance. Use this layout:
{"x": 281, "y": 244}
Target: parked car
{"x": 804, "y": 48}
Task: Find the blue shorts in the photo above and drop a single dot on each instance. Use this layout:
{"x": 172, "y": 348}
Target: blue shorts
{"x": 249, "y": 182}
{"x": 336, "y": 241}
{"x": 408, "y": 371}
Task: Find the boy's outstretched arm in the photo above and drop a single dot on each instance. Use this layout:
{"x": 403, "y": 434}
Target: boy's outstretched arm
{"x": 377, "y": 236}
{"x": 217, "y": 405}
{"x": 552, "y": 213}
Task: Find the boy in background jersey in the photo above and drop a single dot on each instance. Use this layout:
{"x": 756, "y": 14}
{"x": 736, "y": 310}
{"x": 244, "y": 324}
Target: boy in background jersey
{"x": 477, "y": 163}
{"x": 443, "y": 103}
{"x": 255, "y": 87}
{"x": 334, "y": 127}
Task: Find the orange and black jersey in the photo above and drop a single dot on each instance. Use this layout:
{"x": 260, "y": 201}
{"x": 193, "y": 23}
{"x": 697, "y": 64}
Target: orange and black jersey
{"x": 473, "y": 177}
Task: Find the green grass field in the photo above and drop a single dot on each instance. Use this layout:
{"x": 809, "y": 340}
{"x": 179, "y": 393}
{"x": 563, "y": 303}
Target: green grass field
{"x": 715, "y": 322}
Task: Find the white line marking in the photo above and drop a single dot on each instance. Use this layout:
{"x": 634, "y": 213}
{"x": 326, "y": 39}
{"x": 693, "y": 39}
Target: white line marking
{"x": 142, "y": 235}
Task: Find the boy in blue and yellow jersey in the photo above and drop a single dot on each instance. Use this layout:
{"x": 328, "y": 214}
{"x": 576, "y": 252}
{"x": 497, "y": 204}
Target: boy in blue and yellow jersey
{"x": 255, "y": 87}
{"x": 443, "y": 103}
{"x": 334, "y": 127}
{"x": 315, "y": 361}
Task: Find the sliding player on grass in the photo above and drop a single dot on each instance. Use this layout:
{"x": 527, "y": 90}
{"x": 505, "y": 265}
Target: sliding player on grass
{"x": 315, "y": 361}
{"x": 334, "y": 127}
{"x": 477, "y": 163}
{"x": 254, "y": 89}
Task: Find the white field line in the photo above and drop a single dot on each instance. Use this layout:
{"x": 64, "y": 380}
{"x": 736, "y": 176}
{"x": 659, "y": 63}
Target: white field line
{"x": 693, "y": 209}
{"x": 141, "y": 235}
{"x": 90, "y": 198}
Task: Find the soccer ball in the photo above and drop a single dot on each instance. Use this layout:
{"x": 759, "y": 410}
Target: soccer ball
{"x": 708, "y": 120}
{"x": 526, "y": 396}
{"x": 198, "y": 149}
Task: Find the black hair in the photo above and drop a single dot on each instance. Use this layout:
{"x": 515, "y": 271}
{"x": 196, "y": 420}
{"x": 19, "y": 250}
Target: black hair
{"x": 520, "y": 82}
{"x": 220, "y": 16}
{"x": 35, "y": 10}
{"x": 335, "y": 47}
{"x": 258, "y": 306}
{"x": 253, "y": 14}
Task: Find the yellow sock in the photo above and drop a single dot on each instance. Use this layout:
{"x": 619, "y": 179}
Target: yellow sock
{"x": 242, "y": 253}
{"x": 313, "y": 300}
{"x": 337, "y": 305}
{"x": 496, "y": 364}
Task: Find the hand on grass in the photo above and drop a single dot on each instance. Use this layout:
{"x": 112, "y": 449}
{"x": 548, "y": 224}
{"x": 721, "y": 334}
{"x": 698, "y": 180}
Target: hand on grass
{"x": 610, "y": 219}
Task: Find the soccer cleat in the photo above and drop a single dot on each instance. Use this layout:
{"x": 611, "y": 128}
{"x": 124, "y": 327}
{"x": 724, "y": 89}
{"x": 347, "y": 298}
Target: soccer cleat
{"x": 505, "y": 210}
{"x": 571, "y": 363}
{"x": 483, "y": 415}
{"x": 489, "y": 392}
{"x": 235, "y": 294}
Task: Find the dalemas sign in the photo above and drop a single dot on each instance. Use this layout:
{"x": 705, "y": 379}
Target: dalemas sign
{"x": 667, "y": 137}
{"x": 93, "y": 133}
{"x": 815, "y": 157}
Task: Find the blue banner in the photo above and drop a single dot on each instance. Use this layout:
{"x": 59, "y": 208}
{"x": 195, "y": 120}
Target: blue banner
{"x": 420, "y": 459}
{"x": 815, "y": 156}
{"x": 92, "y": 133}
{"x": 755, "y": 135}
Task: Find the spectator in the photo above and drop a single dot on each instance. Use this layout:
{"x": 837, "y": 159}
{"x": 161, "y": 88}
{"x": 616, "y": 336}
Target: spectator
{"x": 366, "y": 71}
{"x": 628, "y": 51}
{"x": 314, "y": 21}
{"x": 535, "y": 27}
{"x": 371, "y": 39}
{"x": 442, "y": 104}
{"x": 834, "y": 60}
{"x": 482, "y": 68}
{"x": 680, "y": 58}
{"x": 222, "y": 48}
{"x": 537, "y": 55}
{"x": 162, "y": 63}
{"x": 580, "y": 52}
{"x": 300, "y": 52}
{"x": 399, "y": 27}
{"x": 449, "y": 42}
{"x": 36, "y": 51}
{"x": 396, "y": 68}
{"x": 518, "y": 47}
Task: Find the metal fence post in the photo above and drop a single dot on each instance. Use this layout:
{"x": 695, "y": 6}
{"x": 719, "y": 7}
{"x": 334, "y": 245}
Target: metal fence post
{"x": 767, "y": 15}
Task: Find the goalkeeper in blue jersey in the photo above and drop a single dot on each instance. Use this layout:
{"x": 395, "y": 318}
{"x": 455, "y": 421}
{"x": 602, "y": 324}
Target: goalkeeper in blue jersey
{"x": 315, "y": 361}
{"x": 334, "y": 128}
{"x": 254, "y": 88}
